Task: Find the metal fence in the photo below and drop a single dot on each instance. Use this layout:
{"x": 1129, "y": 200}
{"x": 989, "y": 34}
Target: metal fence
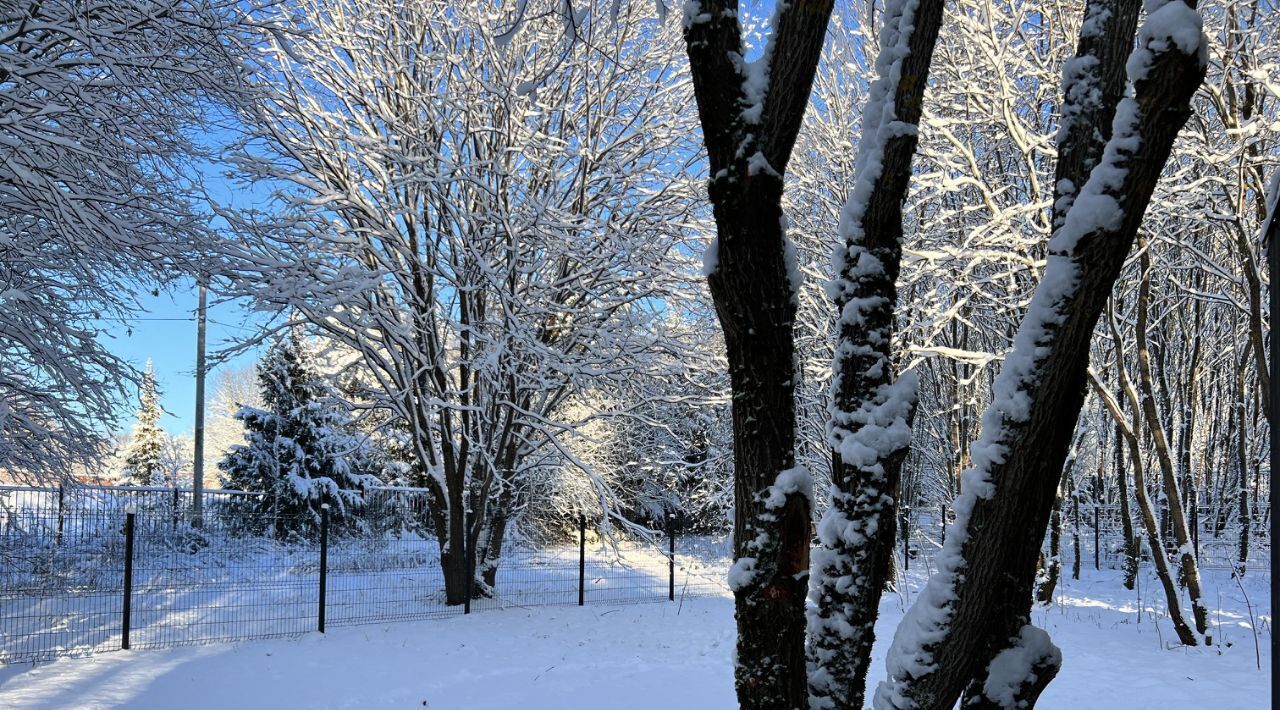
{"x": 1100, "y": 534}
{"x": 93, "y": 569}
{"x": 100, "y": 574}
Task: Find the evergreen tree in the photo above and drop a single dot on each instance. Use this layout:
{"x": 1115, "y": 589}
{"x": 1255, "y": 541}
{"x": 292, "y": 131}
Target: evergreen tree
{"x": 144, "y": 457}
{"x": 300, "y": 451}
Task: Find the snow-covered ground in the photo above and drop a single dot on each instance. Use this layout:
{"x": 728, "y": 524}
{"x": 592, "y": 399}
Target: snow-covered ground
{"x": 644, "y": 656}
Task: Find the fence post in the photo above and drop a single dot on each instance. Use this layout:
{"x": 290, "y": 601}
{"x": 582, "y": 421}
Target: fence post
{"x": 906, "y": 538}
{"x": 582, "y": 558}
{"x": 57, "y": 540}
{"x": 174, "y": 521}
{"x": 1097, "y": 562}
{"x": 671, "y": 559}
{"x": 466, "y": 561}
{"x": 126, "y": 612}
{"x": 324, "y": 564}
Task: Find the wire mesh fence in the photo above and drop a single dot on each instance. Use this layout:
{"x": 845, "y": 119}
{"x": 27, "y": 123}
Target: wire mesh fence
{"x": 97, "y": 574}
{"x": 1097, "y": 532}
{"x": 89, "y": 569}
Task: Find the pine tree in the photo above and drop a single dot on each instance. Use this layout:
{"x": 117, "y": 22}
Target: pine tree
{"x": 300, "y": 451}
{"x": 144, "y": 458}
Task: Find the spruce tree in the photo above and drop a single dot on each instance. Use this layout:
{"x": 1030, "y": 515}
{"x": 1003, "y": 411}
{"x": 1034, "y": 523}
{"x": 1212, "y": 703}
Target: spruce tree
{"x": 144, "y": 456}
{"x": 300, "y": 451}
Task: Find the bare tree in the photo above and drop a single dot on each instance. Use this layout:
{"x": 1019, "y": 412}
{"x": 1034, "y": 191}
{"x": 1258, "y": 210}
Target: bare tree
{"x": 492, "y": 215}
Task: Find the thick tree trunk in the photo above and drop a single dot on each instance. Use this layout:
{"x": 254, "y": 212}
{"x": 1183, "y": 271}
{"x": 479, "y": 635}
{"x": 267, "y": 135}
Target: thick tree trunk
{"x": 977, "y": 606}
{"x": 871, "y": 414}
{"x": 750, "y": 115}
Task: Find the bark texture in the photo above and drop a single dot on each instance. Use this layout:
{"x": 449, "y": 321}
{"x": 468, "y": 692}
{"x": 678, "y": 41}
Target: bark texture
{"x": 980, "y": 604}
{"x": 750, "y": 117}
{"x": 855, "y": 560}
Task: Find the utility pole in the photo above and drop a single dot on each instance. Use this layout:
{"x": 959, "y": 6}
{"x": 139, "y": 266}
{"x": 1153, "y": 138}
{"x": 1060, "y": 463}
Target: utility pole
{"x": 197, "y": 479}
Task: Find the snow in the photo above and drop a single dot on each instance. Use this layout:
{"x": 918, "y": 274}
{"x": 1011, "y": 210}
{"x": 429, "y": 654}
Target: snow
{"x": 636, "y": 657}
{"x": 881, "y": 425}
{"x": 1014, "y": 667}
{"x": 879, "y": 428}
{"x": 791, "y": 258}
{"x": 879, "y": 124}
{"x": 758, "y": 164}
{"x": 741, "y": 573}
{"x": 711, "y": 257}
{"x": 1168, "y": 23}
{"x": 1096, "y": 16}
{"x": 694, "y": 15}
{"x": 789, "y": 482}
{"x": 755, "y": 74}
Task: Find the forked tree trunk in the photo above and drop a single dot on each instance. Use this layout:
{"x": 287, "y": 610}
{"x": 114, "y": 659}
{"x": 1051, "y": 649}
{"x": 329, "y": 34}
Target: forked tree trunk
{"x": 750, "y": 115}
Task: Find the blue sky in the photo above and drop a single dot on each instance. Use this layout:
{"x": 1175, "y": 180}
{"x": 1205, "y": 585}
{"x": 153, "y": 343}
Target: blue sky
{"x": 165, "y": 331}
{"x": 166, "y": 334}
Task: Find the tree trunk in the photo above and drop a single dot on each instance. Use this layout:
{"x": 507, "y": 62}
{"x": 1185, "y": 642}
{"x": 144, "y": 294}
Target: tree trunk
{"x": 1052, "y": 567}
{"x": 977, "y": 605}
{"x": 1075, "y": 530}
{"x": 871, "y": 414}
{"x": 1147, "y": 515}
{"x": 1131, "y": 544}
{"x": 1242, "y": 465}
{"x": 1189, "y": 572}
{"x": 750, "y": 117}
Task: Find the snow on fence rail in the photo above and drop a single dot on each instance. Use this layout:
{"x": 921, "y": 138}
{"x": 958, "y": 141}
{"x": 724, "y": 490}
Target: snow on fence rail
{"x": 68, "y": 585}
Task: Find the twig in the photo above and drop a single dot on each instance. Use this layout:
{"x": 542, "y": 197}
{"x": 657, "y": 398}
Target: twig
{"x": 1257, "y": 652}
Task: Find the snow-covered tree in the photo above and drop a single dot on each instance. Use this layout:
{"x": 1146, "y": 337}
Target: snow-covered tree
{"x": 969, "y": 632}
{"x": 300, "y": 452}
{"x": 871, "y": 408}
{"x": 751, "y": 111}
{"x": 490, "y": 213}
{"x": 143, "y": 463}
{"x": 233, "y": 389}
{"x": 655, "y": 441}
{"x": 177, "y": 454}
{"x": 99, "y": 98}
